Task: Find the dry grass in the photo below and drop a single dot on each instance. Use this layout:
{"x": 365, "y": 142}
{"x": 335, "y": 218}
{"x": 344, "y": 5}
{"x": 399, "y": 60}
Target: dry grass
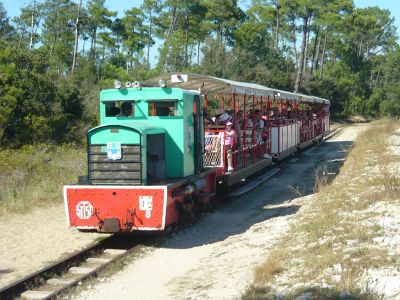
{"x": 331, "y": 245}
{"x": 271, "y": 267}
{"x": 34, "y": 176}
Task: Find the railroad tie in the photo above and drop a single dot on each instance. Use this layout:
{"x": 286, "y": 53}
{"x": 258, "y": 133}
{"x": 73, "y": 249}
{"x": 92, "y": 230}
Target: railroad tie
{"x": 61, "y": 281}
{"x": 34, "y": 295}
{"x": 81, "y": 270}
{"x": 114, "y": 252}
{"x": 98, "y": 260}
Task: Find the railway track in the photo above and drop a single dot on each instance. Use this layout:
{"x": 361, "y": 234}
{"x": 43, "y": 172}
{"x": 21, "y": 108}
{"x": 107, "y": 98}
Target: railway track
{"x": 56, "y": 278}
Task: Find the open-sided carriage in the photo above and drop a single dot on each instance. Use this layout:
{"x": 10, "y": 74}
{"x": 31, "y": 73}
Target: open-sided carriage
{"x": 290, "y": 121}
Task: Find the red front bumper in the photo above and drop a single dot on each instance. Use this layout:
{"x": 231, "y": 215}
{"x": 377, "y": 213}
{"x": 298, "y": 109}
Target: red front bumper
{"x": 116, "y": 208}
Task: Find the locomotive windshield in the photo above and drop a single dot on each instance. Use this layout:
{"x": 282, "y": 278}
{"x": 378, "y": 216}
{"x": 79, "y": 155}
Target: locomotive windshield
{"x": 120, "y": 108}
{"x": 163, "y": 108}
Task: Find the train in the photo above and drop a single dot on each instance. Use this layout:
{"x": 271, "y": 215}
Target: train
{"x": 166, "y": 147}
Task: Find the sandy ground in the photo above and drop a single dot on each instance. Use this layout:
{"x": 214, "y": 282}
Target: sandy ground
{"x": 213, "y": 259}
{"x": 29, "y": 242}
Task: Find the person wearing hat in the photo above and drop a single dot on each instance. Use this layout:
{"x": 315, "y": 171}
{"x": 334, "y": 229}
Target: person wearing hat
{"x": 222, "y": 119}
{"x": 229, "y": 142}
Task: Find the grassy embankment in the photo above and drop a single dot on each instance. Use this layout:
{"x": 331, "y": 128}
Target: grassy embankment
{"x": 34, "y": 176}
{"x": 330, "y": 246}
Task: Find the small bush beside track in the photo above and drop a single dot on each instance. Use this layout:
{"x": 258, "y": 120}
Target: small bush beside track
{"x": 33, "y": 176}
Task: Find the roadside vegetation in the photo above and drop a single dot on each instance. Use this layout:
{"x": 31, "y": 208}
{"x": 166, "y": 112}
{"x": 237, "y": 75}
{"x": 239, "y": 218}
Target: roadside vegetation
{"x": 341, "y": 237}
{"x": 33, "y": 176}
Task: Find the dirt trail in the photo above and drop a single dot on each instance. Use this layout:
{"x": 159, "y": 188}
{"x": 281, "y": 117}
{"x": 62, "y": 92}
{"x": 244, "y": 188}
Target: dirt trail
{"x": 215, "y": 258}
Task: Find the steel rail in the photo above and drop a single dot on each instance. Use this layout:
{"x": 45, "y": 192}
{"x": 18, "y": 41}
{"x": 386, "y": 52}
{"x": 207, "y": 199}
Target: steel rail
{"x": 38, "y": 278}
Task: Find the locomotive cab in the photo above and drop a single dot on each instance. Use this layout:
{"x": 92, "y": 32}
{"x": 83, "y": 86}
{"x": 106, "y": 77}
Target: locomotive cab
{"x": 163, "y": 126}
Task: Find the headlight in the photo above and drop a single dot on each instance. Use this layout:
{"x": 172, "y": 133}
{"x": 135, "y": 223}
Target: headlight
{"x": 117, "y": 84}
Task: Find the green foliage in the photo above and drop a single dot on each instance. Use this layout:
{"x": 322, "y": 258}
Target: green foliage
{"x": 6, "y": 30}
{"x": 31, "y": 177}
{"x": 215, "y": 59}
{"x": 385, "y": 100}
{"x": 222, "y": 17}
{"x": 8, "y": 92}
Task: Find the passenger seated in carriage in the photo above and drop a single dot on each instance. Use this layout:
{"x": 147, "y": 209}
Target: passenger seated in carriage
{"x": 238, "y": 126}
{"x": 289, "y": 112}
{"x": 258, "y": 126}
{"x": 250, "y": 122}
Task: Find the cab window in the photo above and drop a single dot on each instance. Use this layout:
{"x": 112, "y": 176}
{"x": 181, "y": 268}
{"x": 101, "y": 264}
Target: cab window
{"x": 120, "y": 108}
{"x": 163, "y": 108}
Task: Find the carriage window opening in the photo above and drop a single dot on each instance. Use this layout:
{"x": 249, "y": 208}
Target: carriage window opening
{"x": 120, "y": 108}
{"x": 163, "y": 108}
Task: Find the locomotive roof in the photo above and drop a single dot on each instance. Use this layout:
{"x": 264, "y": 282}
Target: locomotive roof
{"x": 208, "y": 85}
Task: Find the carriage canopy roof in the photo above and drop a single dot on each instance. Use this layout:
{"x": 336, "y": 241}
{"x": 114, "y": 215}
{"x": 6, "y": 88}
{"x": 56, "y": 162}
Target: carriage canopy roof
{"x": 209, "y": 85}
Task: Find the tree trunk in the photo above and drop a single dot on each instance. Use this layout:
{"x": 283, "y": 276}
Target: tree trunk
{"x": 276, "y": 44}
{"x": 198, "y": 53}
{"x": 20, "y": 41}
{"x": 316, "y": 63}
{"x": 164, "y": 50}
{"x": 149, "y": 42}
{"x": 173, "y": 22}
{"x": 294, "y": 45}
{"x": 314, "y": 50}
{"x": 84, "y": 45}
{"x": 32, "y": 25}
{"x": 306, "y": 49}
{"x": 323, "y": 54}
{"x": 363, "y": 105}
{"x": 299, "y": 76}
{"x": 94, "y": 42}
{"x": 305, "y": 54}
{"x": 53, "y": 45}
{"x": 186, "y": 40}
{"x": 378, "y": 75}
{"x": 387, "y": 75}
{"x": 76, "y": 37}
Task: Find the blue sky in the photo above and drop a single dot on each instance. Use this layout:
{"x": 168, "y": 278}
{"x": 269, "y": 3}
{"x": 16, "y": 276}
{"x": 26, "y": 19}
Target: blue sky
{"x": 13, "y": 6}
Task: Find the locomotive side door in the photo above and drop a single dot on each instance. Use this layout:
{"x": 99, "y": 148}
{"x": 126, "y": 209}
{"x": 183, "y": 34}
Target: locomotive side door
{"x": 198, "y": 134}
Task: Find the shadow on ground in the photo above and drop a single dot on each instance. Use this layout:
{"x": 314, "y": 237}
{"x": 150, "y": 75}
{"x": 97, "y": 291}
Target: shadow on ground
{"x": 269, "y": 200}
